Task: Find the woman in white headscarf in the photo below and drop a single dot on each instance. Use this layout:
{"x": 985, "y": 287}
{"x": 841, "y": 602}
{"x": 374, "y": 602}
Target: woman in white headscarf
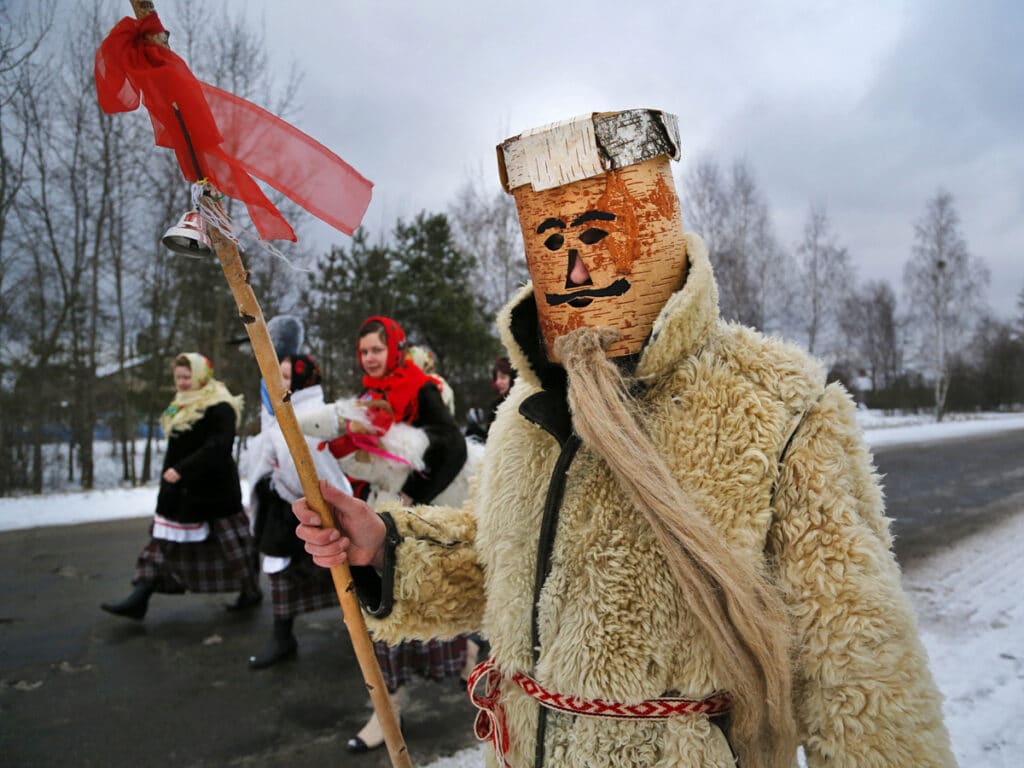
{"x": 200, "y": 539}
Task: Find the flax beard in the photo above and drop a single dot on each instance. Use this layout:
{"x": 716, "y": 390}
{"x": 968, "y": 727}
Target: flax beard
{"x": 740, "y": 612}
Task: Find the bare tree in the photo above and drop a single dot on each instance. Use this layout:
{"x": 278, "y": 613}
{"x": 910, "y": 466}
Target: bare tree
{"x": 1020, "y": 314}
{"x": 229, "y": 51}
{"x": 868, "y": 320}
{"x": 186, "y": 303}
{"x": 84, "y": 198}
{"x": 996, "y": 371}
{"x": 485, "y": 224}
{"x": 704, "y": 201}
{"x": 944, "y": 284}
{"x": 20, "y": 40}
{"x": 51, "y": 236}
{"x": 749, "y": 266}
{"x": 825, "y": 274}
{"x": 74, "y": 205}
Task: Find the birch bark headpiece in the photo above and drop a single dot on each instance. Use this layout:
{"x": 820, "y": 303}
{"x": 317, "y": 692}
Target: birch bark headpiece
{"x": 601, "y": 222}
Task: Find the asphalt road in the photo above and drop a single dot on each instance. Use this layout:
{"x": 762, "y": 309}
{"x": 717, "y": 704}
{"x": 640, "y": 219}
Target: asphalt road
{"x": 940, "y": 492}
{"x": 83, "y": 689}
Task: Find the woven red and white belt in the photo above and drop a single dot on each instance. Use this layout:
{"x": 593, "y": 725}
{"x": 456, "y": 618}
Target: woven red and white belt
{"x": 490, "y": 720}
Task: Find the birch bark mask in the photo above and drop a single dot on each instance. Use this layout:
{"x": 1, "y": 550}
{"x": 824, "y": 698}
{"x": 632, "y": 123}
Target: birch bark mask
{"x": 601, "y": 222}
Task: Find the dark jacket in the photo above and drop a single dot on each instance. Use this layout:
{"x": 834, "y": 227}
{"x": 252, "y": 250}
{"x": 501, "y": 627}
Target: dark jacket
{"x": 479, "y": 429}
{"x": 446, "y": 453}
{"x": 209, "y": 486}
{"x": 274, "y": 528}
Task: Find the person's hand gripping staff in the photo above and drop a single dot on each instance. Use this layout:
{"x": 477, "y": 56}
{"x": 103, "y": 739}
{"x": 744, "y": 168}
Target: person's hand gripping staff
{"x": 358, "y": 538}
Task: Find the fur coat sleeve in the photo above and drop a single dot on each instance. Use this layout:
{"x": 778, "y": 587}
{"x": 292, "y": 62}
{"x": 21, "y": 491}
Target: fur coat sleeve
{"x": 863, "y": 692}
{"x": 439, "y": 589}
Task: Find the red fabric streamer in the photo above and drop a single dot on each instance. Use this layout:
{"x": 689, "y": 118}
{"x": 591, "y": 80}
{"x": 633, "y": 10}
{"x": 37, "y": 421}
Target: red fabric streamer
{"x": 234, "y": 140}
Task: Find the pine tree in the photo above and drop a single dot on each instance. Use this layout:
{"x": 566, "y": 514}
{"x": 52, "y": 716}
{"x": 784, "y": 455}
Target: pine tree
{"x": 439, "y": 304}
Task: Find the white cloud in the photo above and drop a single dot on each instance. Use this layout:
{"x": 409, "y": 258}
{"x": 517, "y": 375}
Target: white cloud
{"x": 868, "y": 107}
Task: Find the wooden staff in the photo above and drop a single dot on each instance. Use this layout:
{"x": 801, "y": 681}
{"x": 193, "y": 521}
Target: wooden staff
{"x": 270, "y": 368}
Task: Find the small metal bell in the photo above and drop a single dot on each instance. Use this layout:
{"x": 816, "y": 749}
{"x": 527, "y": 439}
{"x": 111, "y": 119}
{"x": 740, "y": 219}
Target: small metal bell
{"x": 188, "y": 236}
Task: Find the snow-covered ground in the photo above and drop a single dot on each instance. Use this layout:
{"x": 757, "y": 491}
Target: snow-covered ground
{"x": 967, "y": 598}
{"x": 882, "y": 430}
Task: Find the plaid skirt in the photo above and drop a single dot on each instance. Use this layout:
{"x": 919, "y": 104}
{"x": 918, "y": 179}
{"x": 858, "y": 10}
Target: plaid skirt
{"x": 302, "y": 587}
{"x": 223, "y": 562}
{"x": 433, "y": 659}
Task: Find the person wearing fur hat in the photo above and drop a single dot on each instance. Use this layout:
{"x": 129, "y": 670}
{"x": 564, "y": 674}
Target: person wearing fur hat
{"x": 296, "y": 584}
{"x": 677, "y": 545}
{"x": 199, "y": 539}
{"x": 392, "y": 381}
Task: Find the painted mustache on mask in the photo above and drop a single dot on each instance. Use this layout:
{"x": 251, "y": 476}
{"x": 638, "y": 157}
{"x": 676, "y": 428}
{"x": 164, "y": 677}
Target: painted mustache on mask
{"x": 617, "y": 288}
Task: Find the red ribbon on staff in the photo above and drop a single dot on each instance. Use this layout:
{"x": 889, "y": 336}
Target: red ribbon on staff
{"x": 234, "y": 140}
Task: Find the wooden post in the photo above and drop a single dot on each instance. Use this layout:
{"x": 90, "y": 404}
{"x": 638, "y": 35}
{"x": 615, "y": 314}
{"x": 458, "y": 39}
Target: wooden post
{"x": 270, "y": 368}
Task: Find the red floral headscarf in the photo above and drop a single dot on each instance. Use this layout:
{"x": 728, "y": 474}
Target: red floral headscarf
{"x": 305, "y": 371}
{"x": 400, "y": 385}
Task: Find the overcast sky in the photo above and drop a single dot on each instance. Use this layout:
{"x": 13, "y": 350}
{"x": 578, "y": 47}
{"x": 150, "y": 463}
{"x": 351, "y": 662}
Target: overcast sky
{"x": 865, "y": 107}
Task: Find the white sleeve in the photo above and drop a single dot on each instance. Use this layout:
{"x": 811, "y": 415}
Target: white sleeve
{"x": 285, "y": 476}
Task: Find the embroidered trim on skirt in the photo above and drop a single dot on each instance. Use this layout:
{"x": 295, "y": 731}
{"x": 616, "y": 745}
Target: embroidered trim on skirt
{"x": 433, "y": 659}
{"x": 223, "y": 562}
{"x": 302, "y": 587}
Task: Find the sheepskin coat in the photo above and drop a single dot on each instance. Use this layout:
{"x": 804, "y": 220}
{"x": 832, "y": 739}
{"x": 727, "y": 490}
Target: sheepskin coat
{"x": 773, "y": 458}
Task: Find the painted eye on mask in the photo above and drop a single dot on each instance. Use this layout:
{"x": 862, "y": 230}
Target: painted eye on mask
{"x": 554, "y": 242}
{"x": 593, "y": 235}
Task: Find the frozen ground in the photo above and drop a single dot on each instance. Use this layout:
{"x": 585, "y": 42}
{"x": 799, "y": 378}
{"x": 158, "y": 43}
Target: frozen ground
{"x": 897, "y": 430}
{"x": 967, "y": 598}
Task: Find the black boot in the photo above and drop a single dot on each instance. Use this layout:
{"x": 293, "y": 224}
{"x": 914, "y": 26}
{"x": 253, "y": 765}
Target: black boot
{"x": 134, "y": 606}
{"x": 282, "y": 645}
{"x": 246, "y": 599}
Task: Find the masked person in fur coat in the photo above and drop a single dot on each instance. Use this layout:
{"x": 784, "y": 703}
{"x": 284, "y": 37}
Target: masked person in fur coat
{"x": 677, "y": 546}
{"x": 200, "y": 539}
{"x": 296, "y": 584}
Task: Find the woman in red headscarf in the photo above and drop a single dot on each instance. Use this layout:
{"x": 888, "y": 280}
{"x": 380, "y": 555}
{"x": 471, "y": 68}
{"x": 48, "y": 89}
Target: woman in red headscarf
{"x": 401, "y": 388}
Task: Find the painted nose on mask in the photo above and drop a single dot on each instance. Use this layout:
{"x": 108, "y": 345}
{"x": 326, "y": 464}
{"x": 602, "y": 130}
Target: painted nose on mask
{"x": 577, "y": 272}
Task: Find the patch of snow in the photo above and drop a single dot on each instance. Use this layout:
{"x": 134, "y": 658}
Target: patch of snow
{"x": 882, "y": 430}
